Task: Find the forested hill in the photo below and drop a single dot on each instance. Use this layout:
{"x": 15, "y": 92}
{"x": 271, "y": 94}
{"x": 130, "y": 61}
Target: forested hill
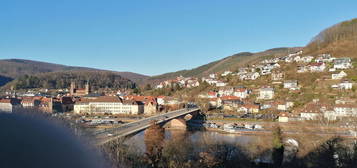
{"x": 340, "y": 40}
{"x": 59, "y": 80}
{"x": 15, "y": 68}
{"x": 228, "y": 63}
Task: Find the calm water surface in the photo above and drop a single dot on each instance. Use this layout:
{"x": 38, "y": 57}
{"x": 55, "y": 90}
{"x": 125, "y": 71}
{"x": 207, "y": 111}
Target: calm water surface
{"x": 194, "y": 137}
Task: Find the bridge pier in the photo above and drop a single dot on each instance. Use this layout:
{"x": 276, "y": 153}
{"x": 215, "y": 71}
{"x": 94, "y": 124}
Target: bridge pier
{"x": 178, "y": 123}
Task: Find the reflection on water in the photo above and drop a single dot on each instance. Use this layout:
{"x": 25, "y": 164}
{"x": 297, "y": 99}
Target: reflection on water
{"x": 138, "y": 140}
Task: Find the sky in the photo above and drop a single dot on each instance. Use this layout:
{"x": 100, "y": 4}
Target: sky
{"x": 152, "y": 37}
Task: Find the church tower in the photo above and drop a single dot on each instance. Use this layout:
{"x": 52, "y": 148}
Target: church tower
{"x": 87, "y": 88}
{"x": 73, "y": 86}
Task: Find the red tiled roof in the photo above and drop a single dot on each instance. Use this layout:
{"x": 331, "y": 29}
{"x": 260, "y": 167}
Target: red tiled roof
{"x": 283, "y": 114}
{"x": 251, "y": 106}
{"x": 241, "y": 90}
{"x": 212, "y": 93}
{"x": 101, "y": 99}
{"x": 230, "y": 98}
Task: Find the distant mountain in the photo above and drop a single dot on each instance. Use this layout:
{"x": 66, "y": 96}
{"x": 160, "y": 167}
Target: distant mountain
{"x": 15, "y": 68}
{"x": 340, "y": 40}
{"x": 62, "y": 79}
{"x": 228, "y": 63}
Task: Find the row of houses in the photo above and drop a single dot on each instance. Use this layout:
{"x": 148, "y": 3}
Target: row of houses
{"x": 179, "y": 81}
{"x": 317, "y": 110}
{"x": 93, "y": 104}
{"x": 46, "y": 104}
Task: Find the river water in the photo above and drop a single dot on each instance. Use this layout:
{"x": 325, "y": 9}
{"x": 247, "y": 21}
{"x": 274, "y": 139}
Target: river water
{"x": 194, "y": 137}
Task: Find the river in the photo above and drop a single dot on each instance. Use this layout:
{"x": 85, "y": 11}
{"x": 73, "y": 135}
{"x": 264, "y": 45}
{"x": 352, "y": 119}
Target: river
{"x": 194, "y": 137}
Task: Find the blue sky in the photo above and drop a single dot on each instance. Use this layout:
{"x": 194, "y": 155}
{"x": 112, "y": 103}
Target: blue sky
{"x": 157, "y": 36}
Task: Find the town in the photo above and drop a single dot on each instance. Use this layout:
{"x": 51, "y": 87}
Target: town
{"x": 178, "y": 84}
{"x": 282, "y": 89}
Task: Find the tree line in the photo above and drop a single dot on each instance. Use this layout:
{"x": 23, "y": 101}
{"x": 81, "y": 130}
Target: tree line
{"x": 57, "y": 80}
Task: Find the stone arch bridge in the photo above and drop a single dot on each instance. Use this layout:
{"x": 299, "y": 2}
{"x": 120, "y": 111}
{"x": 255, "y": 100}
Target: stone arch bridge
{"x": 132, "y": 128}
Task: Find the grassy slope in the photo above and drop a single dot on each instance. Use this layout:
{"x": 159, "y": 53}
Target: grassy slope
{"x": 340, "y": 40}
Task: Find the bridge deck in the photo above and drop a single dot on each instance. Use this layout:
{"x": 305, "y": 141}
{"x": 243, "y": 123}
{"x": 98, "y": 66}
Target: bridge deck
{"x": 108, "y": 135}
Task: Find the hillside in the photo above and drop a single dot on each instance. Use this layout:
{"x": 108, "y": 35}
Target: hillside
{"x": 228, "y": 63}
{"x": 59, "y": 80}
{"x": 340, "y": 40}
{"x": 14, "y": 68}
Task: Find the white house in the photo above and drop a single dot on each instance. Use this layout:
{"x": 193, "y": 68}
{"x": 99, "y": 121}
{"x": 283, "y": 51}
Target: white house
{"x": 338, "y": 76}
{"x": 252, "y": 76}
{"x": 213, "y": 76}
{"x": 317, "y": 67}
{"x": 277, "y": 76}
{"x": 220, "y": 84}
{"x": 291, "y": 84}
{"x": 284, "y": 106}
{"x": 283, "y": 117}
{"x": 266, "y": 93}
{"x": 345, "y": 110}
{"x": 210, "y": 81}
{"x": 192, "y": 83}
{"x": 226, "y": 73}
{"x": 226, "y": 91}
{"x": 342, "y": 63}
{"x": 306, "y": 59}
{"x": 345, "y": 85}
{"x": 302, "y": 69}
{"x": 241, "y": 93}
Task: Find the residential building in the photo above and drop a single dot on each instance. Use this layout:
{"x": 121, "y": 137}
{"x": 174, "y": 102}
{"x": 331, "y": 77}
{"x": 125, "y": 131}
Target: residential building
{"x": 109, "y": 105}
{"x": 230, "y": 102}
{"x": 241, "y": 93}
{"x": 291, "y": 84}
{"x": 252, "y": 76}
{"x": 283, "y": 117}
{"x": 342, "y": 63}
{"x": 346, "y": 85}
{"x": 74, "y": 91}
{"x": 213, "y": 76}
{"x": 276, "y": 76}
{"x": 345, "y": 110}
{"x": 30, "y": 102}
{"x": 46, "y": 104}
{"x": 228, "y": 91}
{"x": 149, "y": 102}
{"x": 266, "y": 93}
{"x": 9, "y": 105}
{"x": 317, "y": 67}
{"x": 302, "y": 69}
{"x": 283, "y": 105}
{"x": 226, "y": 73}
{"x": 249, "y": 108}
{"x": 338, "y": 76}
{"x": 306, "y": 59}
{"x": 220, "y": 84}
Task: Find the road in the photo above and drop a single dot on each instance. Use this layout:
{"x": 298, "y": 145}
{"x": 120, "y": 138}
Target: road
{"x": 108, "y": 135}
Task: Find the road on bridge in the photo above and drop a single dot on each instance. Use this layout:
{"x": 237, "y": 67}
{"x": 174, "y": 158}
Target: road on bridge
{"x": 111, "y": 134}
